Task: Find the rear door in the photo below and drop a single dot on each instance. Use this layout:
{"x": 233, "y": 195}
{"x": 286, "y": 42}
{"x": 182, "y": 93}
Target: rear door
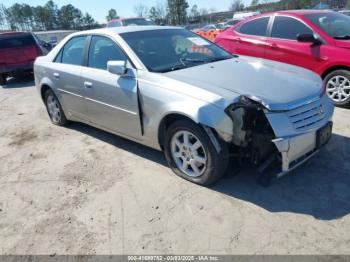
{"x": 66, "y": 75}
{"x": 250, "y": 38}
{"x": 283, "y": 46}
{"x": 111, "y": 100}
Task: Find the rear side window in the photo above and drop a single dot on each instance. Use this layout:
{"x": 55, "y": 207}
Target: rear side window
{"x": 73, "y": 51}
{"x": 102, "y": 50}
{"x": 233, "y": 22}
{"x": 288, "y": 28}
{"x": 16, "y": 40}
{"x": 257, "y": 27}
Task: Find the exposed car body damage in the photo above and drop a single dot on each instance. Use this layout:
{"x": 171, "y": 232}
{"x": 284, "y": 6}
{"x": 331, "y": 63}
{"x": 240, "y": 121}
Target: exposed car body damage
{"x": 256, "y": 110}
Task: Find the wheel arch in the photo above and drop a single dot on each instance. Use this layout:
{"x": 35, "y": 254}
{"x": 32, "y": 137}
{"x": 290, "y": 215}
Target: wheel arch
{"x": 166, "y": 121}
{"x": 334, "y": 68}
{"x": 43, "y": 90}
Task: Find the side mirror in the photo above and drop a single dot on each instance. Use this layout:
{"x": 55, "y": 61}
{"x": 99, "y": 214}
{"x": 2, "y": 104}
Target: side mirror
{"x": 117, "y": 67}
{"x": 308, "y": 38}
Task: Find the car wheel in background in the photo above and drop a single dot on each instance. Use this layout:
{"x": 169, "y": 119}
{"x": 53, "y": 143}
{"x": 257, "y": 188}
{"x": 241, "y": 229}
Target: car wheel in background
{"x": 191, "y": 154}
{"x": 54, "y": 109}
{"x": 3, "y": 79}
{"x": 338, "y": 87}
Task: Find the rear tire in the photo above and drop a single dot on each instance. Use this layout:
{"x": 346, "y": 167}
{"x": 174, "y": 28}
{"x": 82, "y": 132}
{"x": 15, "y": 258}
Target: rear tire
{"x": 54, "y": 109}
{"x": 338, "y": 87}
{"x": 191, "y": 154}
{"x": 3, "y": 79}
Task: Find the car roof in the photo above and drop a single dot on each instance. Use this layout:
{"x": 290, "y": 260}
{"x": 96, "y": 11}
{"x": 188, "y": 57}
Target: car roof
{"x": 295, "y": 12}
{"x": 124, "y": 29}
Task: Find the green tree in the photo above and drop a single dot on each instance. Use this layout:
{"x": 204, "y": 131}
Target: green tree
{"x": 51, "y": 15}
{"x": 177, "y": 11}
{"x": 237, "y": 5}
{"x": 112, "y": 14}
{"x": 194, "y": 13}
{"x": 67, "y": 17}
{"x": 153, "y": 14}
{"x": 348, "y": 4}
{"x": 2, "y": 17}
{"x": 141, "y": 10}
{"x": 89, "y": 22}
{"x": 254, "y": 2}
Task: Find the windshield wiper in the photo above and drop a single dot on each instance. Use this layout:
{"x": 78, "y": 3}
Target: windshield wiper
{"x": 192, "y": 60}
{"x": 342, "y": 37}
{"x": 220, "y": 58}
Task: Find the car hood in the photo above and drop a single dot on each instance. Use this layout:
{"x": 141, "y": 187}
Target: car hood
{"x": 278, "y": 86}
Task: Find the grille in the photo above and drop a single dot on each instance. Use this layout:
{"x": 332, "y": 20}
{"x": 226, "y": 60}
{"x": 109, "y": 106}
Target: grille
{"x": 307, "y": 116}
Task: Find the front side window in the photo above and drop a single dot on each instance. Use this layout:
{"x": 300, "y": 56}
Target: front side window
{"x": 334, "y": 24}
{"x": 102, "y": 50}
{"x": 257, "y": 27}
{"x": 288, "y": 28}
{"x": 172, "y": 49}
{"x": 73, "y": 51}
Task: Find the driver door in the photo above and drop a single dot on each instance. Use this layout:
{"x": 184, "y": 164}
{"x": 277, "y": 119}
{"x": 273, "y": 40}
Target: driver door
{"x": 111, "y": 100}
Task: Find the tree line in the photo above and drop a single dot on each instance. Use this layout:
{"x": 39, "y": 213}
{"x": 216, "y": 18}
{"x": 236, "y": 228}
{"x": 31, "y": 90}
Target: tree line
{"x": 172, "y": 12}
{"x": 47, "y": 17}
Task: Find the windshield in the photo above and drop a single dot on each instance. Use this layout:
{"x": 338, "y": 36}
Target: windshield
{"x": 334, "y": 24}
{"x": 137, "y": 21}
{"x": 16, "y": 40}
{"x": 172, "y": 49}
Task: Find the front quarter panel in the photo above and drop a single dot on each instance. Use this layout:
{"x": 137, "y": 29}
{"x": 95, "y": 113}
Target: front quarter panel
{"x": 160, "y": 99}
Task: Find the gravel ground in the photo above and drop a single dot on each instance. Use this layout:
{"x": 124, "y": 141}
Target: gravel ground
{"x": 79, "y": 190}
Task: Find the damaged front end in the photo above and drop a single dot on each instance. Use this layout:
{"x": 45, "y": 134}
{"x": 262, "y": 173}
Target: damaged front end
{"x": 257, "y": 137}
{"x": 252, "y": 133}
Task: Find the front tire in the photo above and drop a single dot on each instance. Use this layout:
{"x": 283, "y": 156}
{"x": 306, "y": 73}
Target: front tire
{"x": 191, "y": 154}
{"x": 54, "y": 109}
{"x": 338, "y": 87}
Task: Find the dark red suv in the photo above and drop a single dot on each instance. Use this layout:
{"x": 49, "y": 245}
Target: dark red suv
{"x": 18, "y": 50}
{"x": 316, "y": 40}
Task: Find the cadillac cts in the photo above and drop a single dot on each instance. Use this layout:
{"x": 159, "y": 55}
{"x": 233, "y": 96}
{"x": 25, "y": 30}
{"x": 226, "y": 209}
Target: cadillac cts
{"x": 172, "y": 90}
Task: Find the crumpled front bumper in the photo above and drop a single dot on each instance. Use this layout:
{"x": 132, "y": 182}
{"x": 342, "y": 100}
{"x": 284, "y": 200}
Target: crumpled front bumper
{"x": 298, "y": 139}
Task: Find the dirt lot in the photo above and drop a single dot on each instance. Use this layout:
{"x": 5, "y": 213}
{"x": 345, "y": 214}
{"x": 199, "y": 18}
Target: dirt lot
{"x": 79, "y": 190}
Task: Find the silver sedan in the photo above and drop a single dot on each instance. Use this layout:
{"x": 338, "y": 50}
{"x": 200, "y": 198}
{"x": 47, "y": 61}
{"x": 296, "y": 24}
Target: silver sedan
{"x": 168, "y": 88}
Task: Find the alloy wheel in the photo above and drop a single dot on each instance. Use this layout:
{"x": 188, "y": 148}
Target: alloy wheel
{"x": 54, "y": 109}
{"x": 188, "y": 153}
{"x": 338, "y": 88}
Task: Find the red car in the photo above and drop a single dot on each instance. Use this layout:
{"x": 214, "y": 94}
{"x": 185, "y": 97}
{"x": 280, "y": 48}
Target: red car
{"x": 316, "y": 40}
{"x": 18, "y": 50}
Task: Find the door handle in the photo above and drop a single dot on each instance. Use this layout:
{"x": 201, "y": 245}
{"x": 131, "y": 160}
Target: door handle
{"x": 56, "y": 75}
{"x": 237, "y": 40}
{"x": 87, "y": 84}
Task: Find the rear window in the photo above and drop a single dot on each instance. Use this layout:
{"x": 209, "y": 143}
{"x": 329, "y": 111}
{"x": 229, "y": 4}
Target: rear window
{"x": 16, "y": 41}
{"x": 137, "y": 21}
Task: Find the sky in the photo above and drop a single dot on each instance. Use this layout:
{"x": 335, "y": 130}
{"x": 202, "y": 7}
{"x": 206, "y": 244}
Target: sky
{"x": 125, "y": 8}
